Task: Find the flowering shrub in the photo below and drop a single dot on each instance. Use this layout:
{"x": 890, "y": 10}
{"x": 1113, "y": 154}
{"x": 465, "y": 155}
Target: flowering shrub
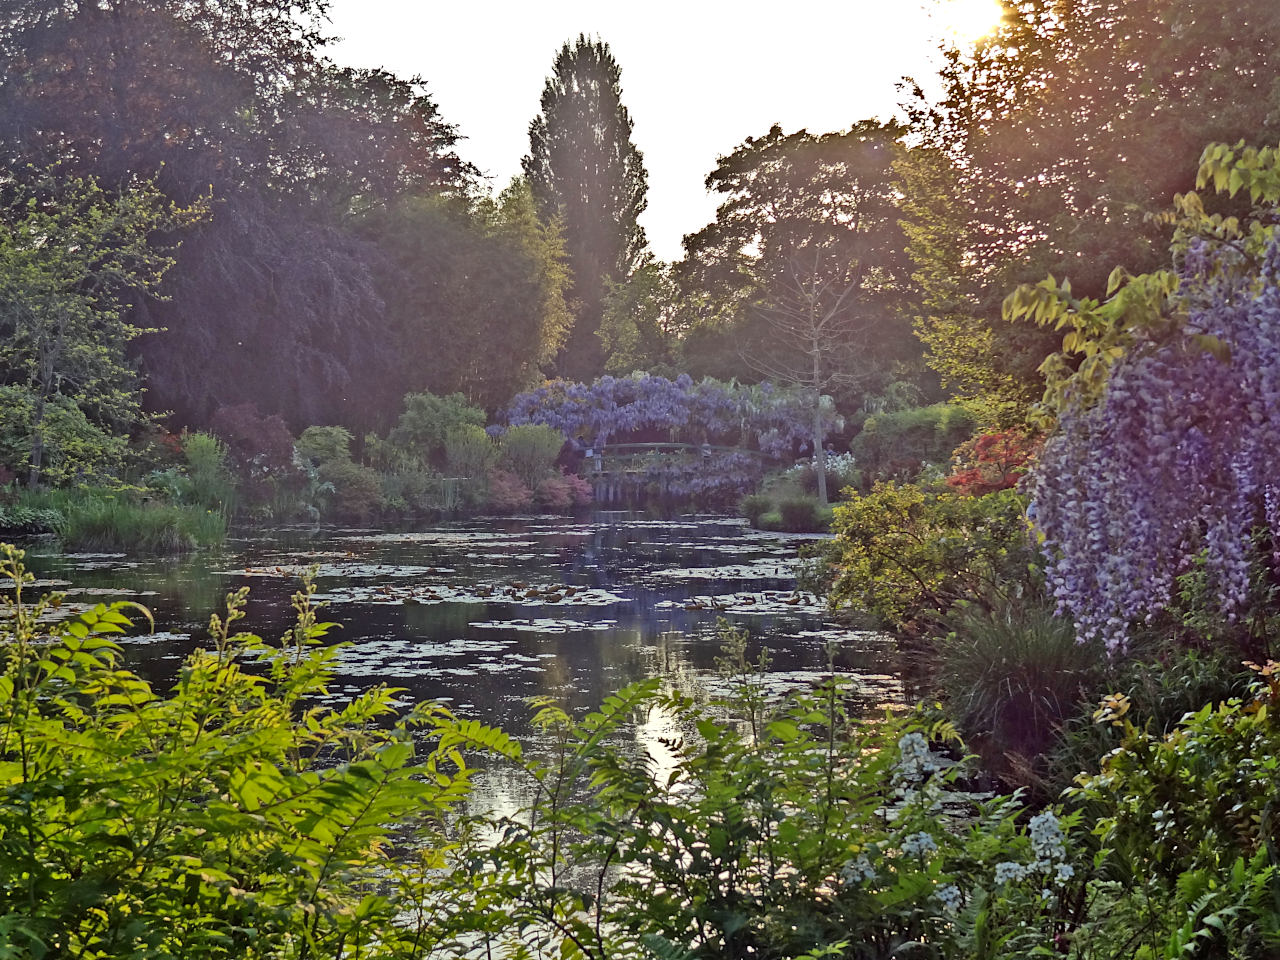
{"x": 506, "y": 494}
{"x": 1177, "y": 459}
{"x": 644, "y": 408}
{"x": 561, "y": 492}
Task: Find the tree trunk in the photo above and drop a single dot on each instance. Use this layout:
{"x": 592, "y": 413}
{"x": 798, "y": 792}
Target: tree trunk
{"x": 37, "y": 443}
{"x": 819, "y": 451}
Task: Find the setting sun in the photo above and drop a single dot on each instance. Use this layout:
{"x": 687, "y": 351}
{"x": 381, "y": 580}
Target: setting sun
{"x": 968, "y": 20}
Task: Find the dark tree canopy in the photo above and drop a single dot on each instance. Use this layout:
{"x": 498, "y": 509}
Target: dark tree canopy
{"x": 474, "y": 297}
{"x": 583, "y": 169}
{"x": 809, "y": 219}
{"x": 1051, "y": 145}
{"x": 278, "y": 297}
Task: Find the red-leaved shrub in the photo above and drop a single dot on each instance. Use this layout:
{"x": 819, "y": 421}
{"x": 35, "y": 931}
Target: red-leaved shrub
{"x": 993, "y": 461}
{"x": 553, "y": 493}
{"x": 507, "y": 494}
{"x": 579, "y": 489}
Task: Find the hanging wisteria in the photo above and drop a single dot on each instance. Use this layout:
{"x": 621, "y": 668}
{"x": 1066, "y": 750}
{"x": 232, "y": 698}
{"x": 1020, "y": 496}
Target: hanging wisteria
{"x": 617, "y": 409}
{"x": 1180, "y": 459}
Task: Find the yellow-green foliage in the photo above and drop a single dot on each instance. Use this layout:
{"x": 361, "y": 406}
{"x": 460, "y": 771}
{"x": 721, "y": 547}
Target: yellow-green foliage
{"x": 900, "y": 442}
{"x": 529, "y": 451}
{"x": 903, "y": 552}
{"x": 469, "y": 451}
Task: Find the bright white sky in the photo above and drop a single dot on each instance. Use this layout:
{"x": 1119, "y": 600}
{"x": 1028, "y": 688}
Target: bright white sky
{"x": 698, "y": 76}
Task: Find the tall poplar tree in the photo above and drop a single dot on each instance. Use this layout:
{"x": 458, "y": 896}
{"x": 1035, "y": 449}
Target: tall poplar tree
{"x": 584, "y": 170}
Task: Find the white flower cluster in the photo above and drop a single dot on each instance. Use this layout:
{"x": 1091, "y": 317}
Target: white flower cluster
{"x": 855, "y": 871}
{"x": 915, "y": 760}
{"x": 840, "y": 464}
{"x": 919, "y": 845}
{"x": 1049, "y": 845}
{"x": 1047, "y": 840}
{"x": 1007, "y": 871}
{"x": 949, "y": 896}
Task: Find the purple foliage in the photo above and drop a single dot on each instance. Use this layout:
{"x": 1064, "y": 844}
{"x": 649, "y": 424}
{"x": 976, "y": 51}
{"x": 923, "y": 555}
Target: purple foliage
{"x": 1180, "y": 458}
{"x": 647, "y": 408}
{"x": 716, "y": 481}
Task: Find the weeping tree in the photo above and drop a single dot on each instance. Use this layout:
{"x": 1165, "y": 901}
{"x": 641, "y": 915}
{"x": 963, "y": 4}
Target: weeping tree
{"x": 584, "y": 171}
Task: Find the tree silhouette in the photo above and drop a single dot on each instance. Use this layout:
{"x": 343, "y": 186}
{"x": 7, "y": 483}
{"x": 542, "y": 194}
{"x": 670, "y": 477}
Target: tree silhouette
{"x": 584, "y": 170}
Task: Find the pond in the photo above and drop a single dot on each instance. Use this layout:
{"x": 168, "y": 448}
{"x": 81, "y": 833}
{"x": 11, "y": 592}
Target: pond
{"x": 485, "y": 614}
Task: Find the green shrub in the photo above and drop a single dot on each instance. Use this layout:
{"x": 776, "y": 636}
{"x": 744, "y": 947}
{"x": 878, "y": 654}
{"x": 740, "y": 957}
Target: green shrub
{"x": 1195, "y": 810}
{"x": 800, "y": 514}
{"x": 20, "y": 520}
{"x": 357, "y": 490}
{"x": 323, "y": 445}
{"x": 784, "y": 829}
{"x": 754, "y": 506}
{"x": 777, "y": 826}
{"x": 1162, "y": 682}
{"x": 771, "y": 520}
{"x": 897, "y": 444}
{"x": 529, "y": 451}
{"x": 469, "y": 452}
{"x": 416, "y": 492}
{"x": 75, "y": 450}
{"x": 427, "y": 421}
{"x": 905, "y": 554}
{"x": 212, "y": 485}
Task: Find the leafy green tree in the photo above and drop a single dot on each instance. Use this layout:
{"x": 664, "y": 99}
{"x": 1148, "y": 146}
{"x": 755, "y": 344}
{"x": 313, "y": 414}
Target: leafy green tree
{"x": 1048, "y": 149}
{"x": 584, "y": 171}
{"x": 642, "y": 323}
{"x": 804, "y": 269}
{"x": 72, "y": 257}
{"x": 474, "y": 295}
{"x": 427, "y": 421}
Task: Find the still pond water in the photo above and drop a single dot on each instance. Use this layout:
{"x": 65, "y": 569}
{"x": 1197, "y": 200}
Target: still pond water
{"x": 485, "y": 614}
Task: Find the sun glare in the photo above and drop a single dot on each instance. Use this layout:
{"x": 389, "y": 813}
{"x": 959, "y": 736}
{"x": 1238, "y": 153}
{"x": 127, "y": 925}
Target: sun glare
{"x": 968, "y": 20}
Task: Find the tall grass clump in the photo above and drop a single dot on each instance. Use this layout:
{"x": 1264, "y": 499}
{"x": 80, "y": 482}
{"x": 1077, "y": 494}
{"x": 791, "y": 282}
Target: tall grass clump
{"x": 109, "y": 524}
{"x": 1011, "y": 676}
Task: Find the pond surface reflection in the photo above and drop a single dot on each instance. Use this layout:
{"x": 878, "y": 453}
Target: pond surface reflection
{"x": 487, "y": 613}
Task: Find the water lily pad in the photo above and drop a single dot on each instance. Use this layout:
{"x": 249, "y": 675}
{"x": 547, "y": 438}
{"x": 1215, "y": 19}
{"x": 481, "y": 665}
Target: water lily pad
{"x": 765, "y": 602}
{"x": 545, "y": 625}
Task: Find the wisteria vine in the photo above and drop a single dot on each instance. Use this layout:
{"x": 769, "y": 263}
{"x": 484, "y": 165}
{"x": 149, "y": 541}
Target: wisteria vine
{"x": 774, "y": 421}
{"x": 1179, "y": 459}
